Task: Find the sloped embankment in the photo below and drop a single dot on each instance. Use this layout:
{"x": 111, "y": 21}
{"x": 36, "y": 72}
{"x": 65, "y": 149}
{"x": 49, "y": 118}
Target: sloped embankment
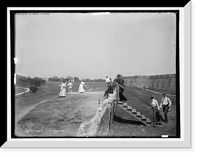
{"x": 60, "y": 116}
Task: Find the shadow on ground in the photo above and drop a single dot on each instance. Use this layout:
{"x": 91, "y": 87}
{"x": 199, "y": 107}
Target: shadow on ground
{"x": 125, "y": 121}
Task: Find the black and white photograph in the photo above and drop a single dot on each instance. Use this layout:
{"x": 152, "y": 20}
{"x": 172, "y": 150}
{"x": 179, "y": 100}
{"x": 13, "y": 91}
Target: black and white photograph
{"x": 96, "y": 74}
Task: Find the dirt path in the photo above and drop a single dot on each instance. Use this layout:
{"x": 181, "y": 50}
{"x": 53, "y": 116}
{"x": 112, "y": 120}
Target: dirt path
{"x": 26, "y": 90}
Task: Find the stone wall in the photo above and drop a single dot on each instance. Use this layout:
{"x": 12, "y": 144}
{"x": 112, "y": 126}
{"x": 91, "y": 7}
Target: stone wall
{"x": 99, "y": 124}
{"x": 165, "y": 82}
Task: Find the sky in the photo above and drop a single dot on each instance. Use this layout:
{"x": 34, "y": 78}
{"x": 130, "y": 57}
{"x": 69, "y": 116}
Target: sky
{"x": 95, "y": 46}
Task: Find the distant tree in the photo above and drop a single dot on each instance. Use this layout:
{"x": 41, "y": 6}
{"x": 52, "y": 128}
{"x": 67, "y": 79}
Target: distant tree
{"x": 29, "y": 80}
{"x": 88, "y": 80}
{"x": 43, "y": 81}
{"x": 66, "y": 79}
{"x": 62, "y": 78}
{"x": 50, "y": 79}
{"x": 37, "y": 78}
{"x": 76, "y": 79}
{"x": 69, "y": 77}
{"x": 35, "y": 83}
{"x": 56, "y": 79}
{"x": 33, "y": 88}
{"x": 32, "y": 83}
{"x": 99, "y": 80}
{"x": 20, "y": 80}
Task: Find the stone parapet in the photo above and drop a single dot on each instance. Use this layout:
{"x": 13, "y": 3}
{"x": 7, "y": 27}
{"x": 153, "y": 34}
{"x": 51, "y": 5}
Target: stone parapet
{"x": 99, "y": 124}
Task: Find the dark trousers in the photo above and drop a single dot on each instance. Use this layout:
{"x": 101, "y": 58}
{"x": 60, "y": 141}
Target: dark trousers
{"x": 108, "y": 91}
{"x": 156, "y": 116}
{"x": 121, "y": 96}
{"x": 165, "y": 111}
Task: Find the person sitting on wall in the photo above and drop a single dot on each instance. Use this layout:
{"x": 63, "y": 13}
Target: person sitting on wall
{"x": 110, "y": 88}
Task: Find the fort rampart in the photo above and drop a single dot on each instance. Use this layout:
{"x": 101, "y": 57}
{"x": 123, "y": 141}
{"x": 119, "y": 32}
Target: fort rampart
{"x": 163, "y": 82}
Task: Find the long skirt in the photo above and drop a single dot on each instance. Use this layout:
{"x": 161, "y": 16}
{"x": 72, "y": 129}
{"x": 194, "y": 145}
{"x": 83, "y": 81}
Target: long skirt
{"x": 62, "y": 92}
{"x": 81, "y": 89}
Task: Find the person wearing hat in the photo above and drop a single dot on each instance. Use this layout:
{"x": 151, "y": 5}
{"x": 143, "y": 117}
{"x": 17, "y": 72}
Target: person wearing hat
{"x": 155, "y": 108}
{"x": 165, "y": 103}
{"x": 62, "y": 89}
{"x": 120, "y": 81}
{"x": 81, "y": 87}
{"x": 107, "y": 80}
{"x": 110, "y": 88}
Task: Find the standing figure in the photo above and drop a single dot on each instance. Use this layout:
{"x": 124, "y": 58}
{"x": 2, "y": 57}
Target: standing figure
{"x": 70, "y": 86}
{"x": 81, "y": 87}
{"x": 165, "y": 103}
{"x": 156, "y": 113}
{"x": 62, "y": 89}
{"x": 107, "y": 80}
{"x": 120, "y": 81}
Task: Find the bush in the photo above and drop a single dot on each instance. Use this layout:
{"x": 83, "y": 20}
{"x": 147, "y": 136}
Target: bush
{"x": 27, "y": 81}
{"x": 33, "y": 88}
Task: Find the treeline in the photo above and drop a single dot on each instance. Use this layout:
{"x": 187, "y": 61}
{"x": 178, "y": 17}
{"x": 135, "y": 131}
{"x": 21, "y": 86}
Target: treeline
{"x": 95, "y": 80}
{"x": 68, "y": 78}
{"x": 31, "y": 83}
{"x": 74, "y": 79}
{"x": 34, "y": 83}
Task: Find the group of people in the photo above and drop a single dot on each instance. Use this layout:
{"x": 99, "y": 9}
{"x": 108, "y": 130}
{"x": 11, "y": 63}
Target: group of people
{"x": 165, "y": 103}
{"x": 64, "y": 85}
{"x": 112, "y": 84}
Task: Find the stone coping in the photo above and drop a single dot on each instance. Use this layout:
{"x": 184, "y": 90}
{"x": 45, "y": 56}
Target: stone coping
{"x": 94, "y": 127}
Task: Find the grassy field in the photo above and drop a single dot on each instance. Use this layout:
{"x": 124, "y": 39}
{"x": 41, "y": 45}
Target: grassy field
{"x": 51, "y": 90}
{"x": 44, "y": 114}
{"x": 163, "y": 91}
{"x": 60, "y": 116}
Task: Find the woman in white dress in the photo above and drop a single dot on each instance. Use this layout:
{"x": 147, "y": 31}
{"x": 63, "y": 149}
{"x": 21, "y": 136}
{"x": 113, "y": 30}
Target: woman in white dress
{"x": 62, "y": 89}
{"x": 81, "y": 87}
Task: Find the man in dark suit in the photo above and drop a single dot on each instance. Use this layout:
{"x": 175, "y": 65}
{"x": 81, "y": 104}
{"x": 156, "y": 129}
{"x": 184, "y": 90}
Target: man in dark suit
{"x": 120, "y": 81}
